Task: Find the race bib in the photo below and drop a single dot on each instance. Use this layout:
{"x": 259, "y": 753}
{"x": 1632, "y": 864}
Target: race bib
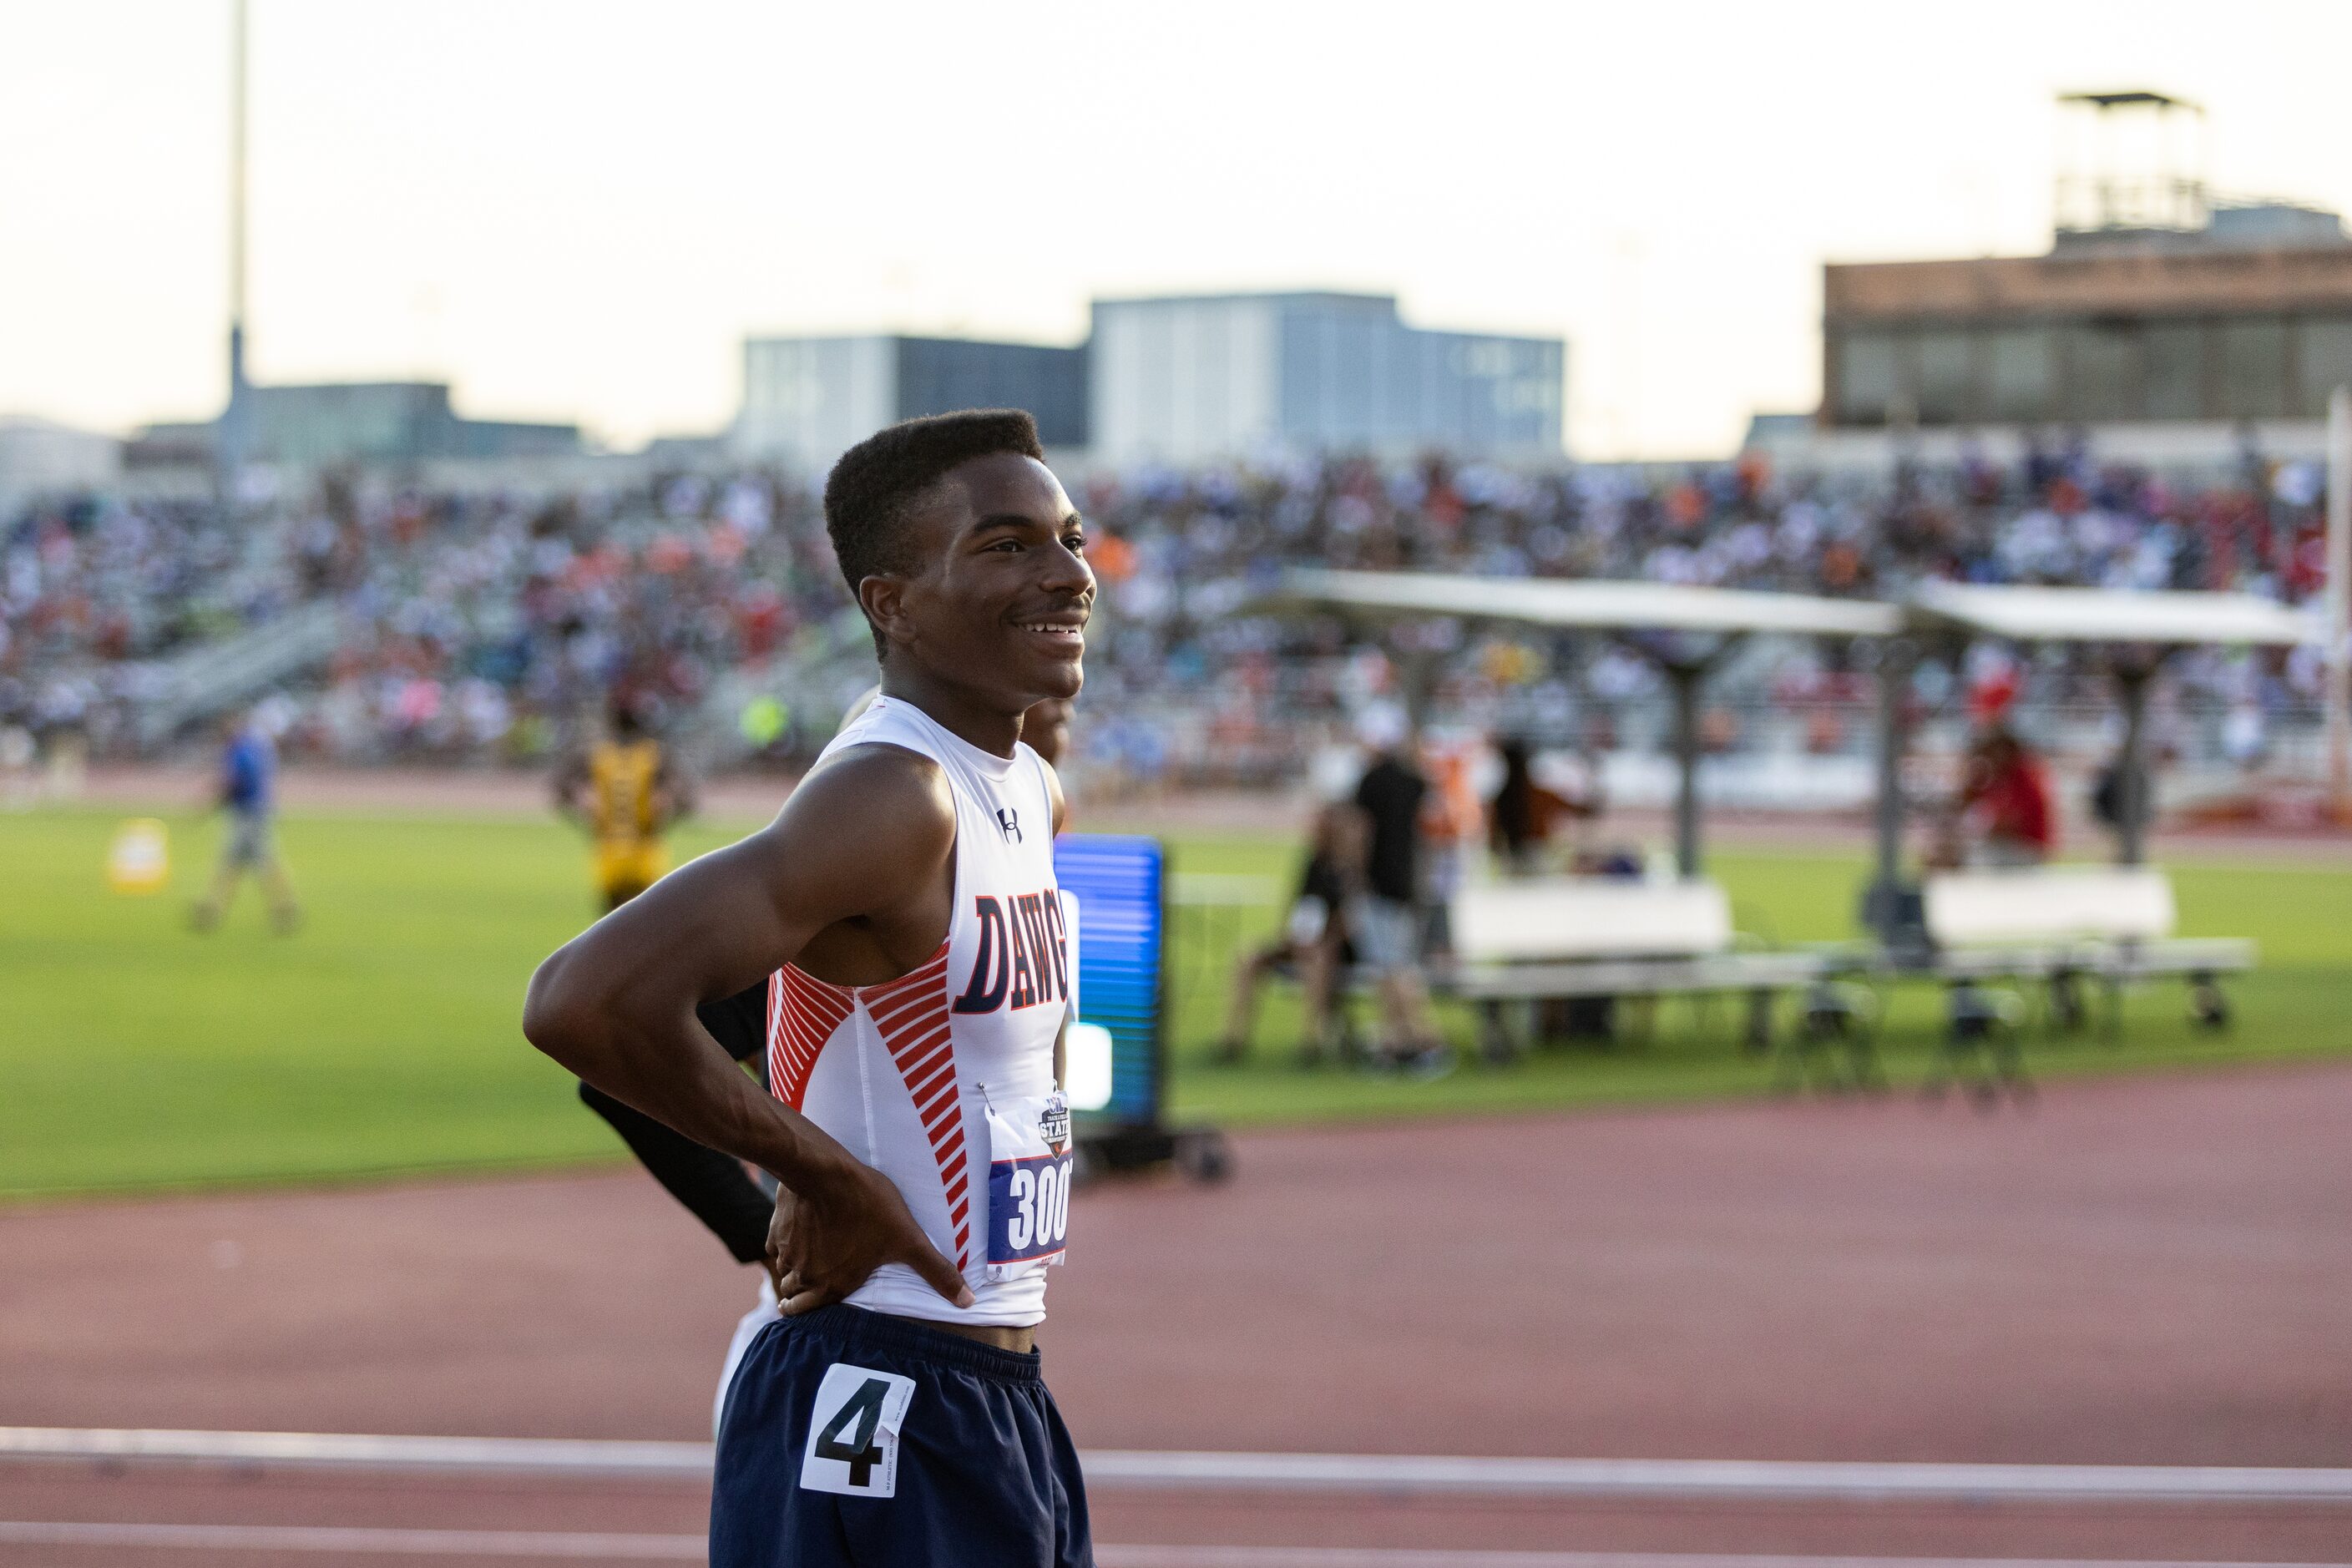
{"x": 1028, "y": 1182}
{"x": 853, "y": 1445}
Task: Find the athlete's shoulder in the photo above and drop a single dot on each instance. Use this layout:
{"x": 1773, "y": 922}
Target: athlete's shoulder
{"x": 879, "y": 785}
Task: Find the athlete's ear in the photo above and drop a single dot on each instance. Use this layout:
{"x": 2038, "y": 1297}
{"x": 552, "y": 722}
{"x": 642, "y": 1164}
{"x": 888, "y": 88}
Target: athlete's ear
{"x": 883, "y": 597}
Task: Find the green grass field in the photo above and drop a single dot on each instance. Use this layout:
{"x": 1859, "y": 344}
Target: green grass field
{"x": 383, "y": 1038}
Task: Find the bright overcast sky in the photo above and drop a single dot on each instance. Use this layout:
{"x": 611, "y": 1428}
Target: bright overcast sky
{"x": 577, "y": 210}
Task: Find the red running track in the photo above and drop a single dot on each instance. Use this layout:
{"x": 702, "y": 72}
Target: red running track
{"x": 2142, "y": 1271}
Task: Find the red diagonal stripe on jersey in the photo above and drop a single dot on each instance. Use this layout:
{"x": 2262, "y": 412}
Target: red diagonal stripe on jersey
{"x": 922, "y": 1056}
{"x": 920, "y": 1086}
{"x": 894, "y": 1012}
{"x": 924, "y": 1034}
{"x": 802, "y": 1016}
{"x": 911, "y": 1011}
{"x": 940, "y": 1126}
{"x": 934, "y": 1035}
{"x": 937, "y": 1105}
{"x": 775, "y": 1025}
{"x": 933, "y": 1084}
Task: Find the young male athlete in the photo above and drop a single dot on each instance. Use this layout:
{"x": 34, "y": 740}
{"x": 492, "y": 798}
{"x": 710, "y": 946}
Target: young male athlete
{"x": 715, "y": 1187}
{"x": 904, "y": 901}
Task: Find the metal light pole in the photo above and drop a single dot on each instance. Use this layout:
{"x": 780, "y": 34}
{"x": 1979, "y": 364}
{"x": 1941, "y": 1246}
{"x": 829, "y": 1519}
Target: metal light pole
{"x": 231, "y": 442}
{"x": 2339, "y": 603}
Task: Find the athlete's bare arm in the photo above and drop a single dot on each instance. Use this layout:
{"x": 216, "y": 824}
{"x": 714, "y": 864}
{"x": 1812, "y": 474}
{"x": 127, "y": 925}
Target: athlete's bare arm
{"x": 851, "y": 880}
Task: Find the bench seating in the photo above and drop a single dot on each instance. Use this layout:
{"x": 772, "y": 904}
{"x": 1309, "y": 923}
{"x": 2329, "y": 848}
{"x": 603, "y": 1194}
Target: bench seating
{"x": 2056, "y": 926}
{"x": 1556, "y": 938}
{"x": 2049, "y": 904}
{"x": 2110, "y": 921}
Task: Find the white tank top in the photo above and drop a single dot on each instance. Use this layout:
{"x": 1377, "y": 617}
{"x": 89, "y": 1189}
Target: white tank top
{"x": 943, "y": 1079}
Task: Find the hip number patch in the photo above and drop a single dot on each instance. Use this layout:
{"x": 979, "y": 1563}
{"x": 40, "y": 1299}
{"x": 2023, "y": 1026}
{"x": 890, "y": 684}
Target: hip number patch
{"x": 853, "y": 1444}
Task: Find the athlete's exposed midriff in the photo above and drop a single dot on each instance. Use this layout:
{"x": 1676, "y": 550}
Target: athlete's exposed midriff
{"x": 1020, "y": 1341}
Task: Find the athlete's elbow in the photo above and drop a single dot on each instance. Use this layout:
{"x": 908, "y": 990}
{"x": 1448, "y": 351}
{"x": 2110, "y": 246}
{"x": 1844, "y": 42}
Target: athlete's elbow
{"x": 557, "y": 1016}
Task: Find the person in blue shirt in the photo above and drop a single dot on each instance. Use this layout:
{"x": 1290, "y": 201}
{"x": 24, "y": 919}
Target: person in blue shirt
{"x": 249, "y": 794}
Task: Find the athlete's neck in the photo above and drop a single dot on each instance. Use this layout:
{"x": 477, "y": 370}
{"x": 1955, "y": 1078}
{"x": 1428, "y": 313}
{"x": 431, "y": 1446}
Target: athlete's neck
{"x": 959, "y": 713}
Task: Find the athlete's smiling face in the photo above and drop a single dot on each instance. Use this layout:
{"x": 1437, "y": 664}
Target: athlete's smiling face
{"x": 1000, "y": 606}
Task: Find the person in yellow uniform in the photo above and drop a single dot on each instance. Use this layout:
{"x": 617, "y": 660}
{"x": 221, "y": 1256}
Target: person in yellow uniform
{"x": 623, "y": 792}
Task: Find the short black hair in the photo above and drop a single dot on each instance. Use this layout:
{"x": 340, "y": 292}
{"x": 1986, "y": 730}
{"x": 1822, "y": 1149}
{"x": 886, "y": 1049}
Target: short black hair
{"x": 876, "y": 484}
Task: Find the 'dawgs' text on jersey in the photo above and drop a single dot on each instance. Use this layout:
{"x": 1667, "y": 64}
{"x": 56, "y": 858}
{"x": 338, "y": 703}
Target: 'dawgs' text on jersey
{"x": 1024, "y": 957}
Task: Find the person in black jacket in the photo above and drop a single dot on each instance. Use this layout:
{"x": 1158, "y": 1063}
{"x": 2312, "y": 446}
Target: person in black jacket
{"x": 1385, "y": 920}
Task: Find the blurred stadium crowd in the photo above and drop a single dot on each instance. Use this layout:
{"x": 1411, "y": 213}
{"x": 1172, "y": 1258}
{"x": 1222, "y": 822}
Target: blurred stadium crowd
{"x": 481, "y": 623}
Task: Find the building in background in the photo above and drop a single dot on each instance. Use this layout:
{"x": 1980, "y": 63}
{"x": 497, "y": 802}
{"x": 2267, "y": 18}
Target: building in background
{"x": 1190, "y": 378}
{"x": 38, "y": 458}
{"x": 1177, "y": 380}
{"x": 359, "y": 422}
{"x": 2247, "y": 318}
{"x": 808, "y": 399}
{"x": 2156, "y": 305}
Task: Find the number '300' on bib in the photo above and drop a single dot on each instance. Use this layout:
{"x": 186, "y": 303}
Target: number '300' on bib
{"x": 1028, "y": 1181}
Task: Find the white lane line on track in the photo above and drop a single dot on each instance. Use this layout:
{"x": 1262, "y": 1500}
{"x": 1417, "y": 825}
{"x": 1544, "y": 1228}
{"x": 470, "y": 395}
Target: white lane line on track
{"x": 323, "y": 1540}
{"x": 1380, "y": 1474}
{"x": 1393, "y": 1557}
{"x": 328, "y": 1541}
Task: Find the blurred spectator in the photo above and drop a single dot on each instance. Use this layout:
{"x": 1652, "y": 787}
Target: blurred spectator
{"x": 624, "y": 792}
{"x": 249, "y": 794}
{"x": 1313, "y": 948}
{"x": 1384, "y": 921}
{"x": 1523, "y": 814}
{"x": 1452, "y": 823}
{"x": 1045, "y": 729}
{"x": 477, "y": 620}
{"x": 2006, "y": 783}
{"x": 19, "y": 787}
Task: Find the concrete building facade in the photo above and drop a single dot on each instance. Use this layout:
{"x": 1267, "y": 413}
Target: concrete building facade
{"x": 808, "y": 399}
{"x": 1191, "y": 378}
{"x": 362, "y": 422}
{"x": 2247, "y": 318}
{"x": 1177, "y": 380}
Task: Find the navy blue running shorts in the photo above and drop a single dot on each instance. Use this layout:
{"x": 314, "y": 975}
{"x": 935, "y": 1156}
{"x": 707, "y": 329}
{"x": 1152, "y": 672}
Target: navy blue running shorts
{"x": 856, "y": 1440}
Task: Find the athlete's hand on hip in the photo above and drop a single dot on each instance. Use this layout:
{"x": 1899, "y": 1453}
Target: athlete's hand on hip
{"x": 829, "y": 1237}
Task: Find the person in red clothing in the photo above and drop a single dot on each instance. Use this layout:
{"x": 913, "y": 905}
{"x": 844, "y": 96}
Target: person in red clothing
{"x": 2006, "y": 783}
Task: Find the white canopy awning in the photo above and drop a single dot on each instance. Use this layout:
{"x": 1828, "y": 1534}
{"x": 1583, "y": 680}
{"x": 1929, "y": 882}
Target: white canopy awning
{"x": 2111, "y": 615}
{"x": 1589, "y": 603}
{"x": 2024, "y": 615}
